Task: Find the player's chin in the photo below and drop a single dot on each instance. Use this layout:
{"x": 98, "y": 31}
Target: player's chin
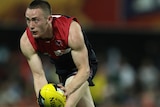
{"x": 36, "y": 36}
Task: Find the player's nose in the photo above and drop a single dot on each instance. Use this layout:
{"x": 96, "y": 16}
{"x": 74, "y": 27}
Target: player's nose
{"x": 31, "y": 25}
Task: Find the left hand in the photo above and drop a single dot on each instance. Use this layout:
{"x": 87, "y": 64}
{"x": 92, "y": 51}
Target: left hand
{"x": 66, "y": 93}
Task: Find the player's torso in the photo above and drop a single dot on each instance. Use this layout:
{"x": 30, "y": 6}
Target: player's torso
{"x": 57, "y": 48}
{"x": 53, "y": 48}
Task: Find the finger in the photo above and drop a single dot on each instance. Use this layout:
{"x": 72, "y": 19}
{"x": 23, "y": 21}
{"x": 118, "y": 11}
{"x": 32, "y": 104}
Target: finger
{"x": 59, "y": 85}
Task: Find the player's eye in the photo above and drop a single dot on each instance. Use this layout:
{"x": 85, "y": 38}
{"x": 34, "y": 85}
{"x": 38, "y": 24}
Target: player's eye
{"x": 35, "y": 20}
{"x": 27, "y": 20}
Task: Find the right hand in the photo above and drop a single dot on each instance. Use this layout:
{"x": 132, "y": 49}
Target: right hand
{"x": 40, "y": 101}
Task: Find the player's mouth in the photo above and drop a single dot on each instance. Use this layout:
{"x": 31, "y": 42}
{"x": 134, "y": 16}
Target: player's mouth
{"x": 34, "y": 32}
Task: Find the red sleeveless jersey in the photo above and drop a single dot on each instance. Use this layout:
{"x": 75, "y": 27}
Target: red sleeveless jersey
{"x": 59, "y": 51}
{"x": 59, "y": 44}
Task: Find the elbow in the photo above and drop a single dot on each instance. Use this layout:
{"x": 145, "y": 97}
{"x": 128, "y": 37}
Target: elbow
{"x": 84, "y": 73}
{"x": 38, "y": 75}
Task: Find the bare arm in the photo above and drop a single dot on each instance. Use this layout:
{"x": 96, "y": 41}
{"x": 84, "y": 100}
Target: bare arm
{"x": 34, "y": 62}
{"x": 80, "y": 57}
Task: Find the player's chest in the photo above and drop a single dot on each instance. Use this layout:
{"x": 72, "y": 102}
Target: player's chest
{"x": 54, "y": 48}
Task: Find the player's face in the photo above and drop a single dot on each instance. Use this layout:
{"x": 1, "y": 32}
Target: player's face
{"x": 37, "y": 22}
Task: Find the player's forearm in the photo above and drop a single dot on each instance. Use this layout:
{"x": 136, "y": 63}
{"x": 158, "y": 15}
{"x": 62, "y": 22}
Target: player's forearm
{"x": 39, "y": 82}
{"x": 80, "y": 78}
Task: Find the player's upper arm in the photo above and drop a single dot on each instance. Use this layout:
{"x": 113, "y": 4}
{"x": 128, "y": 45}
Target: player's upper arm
{"x": 79, "y": 50}
{"x": 31, "y": 55}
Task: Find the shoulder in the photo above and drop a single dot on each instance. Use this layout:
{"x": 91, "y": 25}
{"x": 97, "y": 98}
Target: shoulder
{"x": 25, "y": 45}
{"x": 75, "y": 34}
{"x": 24, "y": 39}
{"x": 75, "y": 25}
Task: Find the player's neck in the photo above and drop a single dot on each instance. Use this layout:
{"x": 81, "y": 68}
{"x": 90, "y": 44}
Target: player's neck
{"x": 49, "y": 33}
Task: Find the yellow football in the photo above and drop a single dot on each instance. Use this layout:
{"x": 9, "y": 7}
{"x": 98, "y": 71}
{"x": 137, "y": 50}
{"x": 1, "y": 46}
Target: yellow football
{"x": 52, "y": 96}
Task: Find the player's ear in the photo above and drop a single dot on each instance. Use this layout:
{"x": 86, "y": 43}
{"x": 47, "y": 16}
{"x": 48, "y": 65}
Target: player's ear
{"x": 50, "y": 18}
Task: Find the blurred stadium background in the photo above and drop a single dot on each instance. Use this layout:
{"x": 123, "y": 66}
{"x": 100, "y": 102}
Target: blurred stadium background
{"x": 125, "y": 35}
